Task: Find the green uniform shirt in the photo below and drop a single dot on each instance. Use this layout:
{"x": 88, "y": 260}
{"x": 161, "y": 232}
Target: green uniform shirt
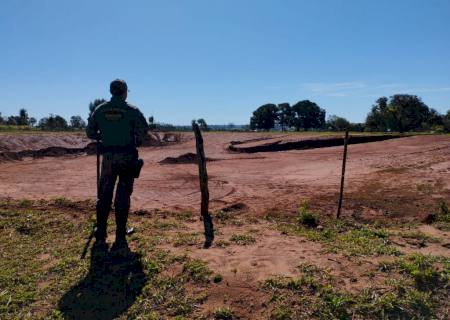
{"x": 117, "y": 124}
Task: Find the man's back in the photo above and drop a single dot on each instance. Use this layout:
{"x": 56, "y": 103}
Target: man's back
{"x": 120, "y": 124}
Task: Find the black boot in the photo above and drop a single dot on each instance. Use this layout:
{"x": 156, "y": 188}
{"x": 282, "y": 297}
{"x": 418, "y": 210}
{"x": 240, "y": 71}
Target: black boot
{"x": 100, "y": 230}
{"x": 121, "y": 226}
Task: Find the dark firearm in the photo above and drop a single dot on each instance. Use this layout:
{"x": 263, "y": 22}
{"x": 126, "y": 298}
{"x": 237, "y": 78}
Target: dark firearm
{"x": 91, "y": 235}
{"x": 203, "y": 175}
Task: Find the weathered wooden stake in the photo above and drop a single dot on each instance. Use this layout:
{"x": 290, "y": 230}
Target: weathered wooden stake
{"x": 344, "y": 161}
{"x": 203, "y": 175}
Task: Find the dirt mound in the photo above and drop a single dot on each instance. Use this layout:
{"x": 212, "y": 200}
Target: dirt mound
{"x": 183, "y": 159}
{"x": 239, "y": 206}
{"x": 282, "y": 145}
{"x": 47, "y": 152}
{"x": 38, "y": 141}
{"x": 38, "y": 145}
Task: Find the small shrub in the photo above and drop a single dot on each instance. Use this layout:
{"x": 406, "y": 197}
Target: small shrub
{"x": 64, "y": 202}
{"x": 307, "y": 217}
{"x": 217, "y": 278}
{"x": 421, "y": 269}
{"x": 282, "y": 313}
{"x": 223, "y": 313}
{"x": 25, "y": 203}
{"x": 242, "y": 239}
{"x": 197, "y": 270}
{"x": 152, "y": 267}
{"x": 222, "y": 243}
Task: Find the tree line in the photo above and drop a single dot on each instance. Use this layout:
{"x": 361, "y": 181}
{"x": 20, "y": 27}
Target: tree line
{"x": 400, "y": 113}
{"x": 51, "y": 123}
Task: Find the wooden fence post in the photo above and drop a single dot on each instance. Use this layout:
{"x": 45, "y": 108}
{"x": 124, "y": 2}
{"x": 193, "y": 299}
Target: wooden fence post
{"x": 344, "y": 161}
{"x": 203, "y": 175}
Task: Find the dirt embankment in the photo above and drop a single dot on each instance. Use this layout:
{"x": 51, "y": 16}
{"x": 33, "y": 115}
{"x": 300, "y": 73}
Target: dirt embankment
{"x": 277, "y": 144}
{"x": 38, "y": 145}
{"x": 183, "y": 159}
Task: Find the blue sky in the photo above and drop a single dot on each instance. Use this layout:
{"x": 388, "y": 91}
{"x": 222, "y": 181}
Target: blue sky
{"x": 221, "y": 59}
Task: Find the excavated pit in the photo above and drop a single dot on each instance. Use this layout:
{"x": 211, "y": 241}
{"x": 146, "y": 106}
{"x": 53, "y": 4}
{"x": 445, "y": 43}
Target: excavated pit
{"x": 324, "y": 142}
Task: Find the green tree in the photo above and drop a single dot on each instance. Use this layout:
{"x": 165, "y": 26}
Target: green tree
{"x": 446, "y": 121}
{"x": 434, "y": 118}
{"x": 76, "y": 122}
{"x": 308, "y": 115}
{"x": 53, "y": 123}
{"x": 23, "y": 119}
{"x": 12, "y": 121}
{"x": 410, "y": 113}
{"x": 402, "y": 112}
{"x": 285, "y": 115}
{"x": 337, "y": 123}
{"x": 381, "y": 117}
{"x": 202, "y": 124}
{"x": 32, "y": 121}
{"x": 264, "y": 117}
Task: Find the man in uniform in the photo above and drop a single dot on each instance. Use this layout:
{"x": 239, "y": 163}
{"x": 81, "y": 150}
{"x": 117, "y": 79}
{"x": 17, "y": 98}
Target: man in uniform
{"x": 121, "y": 128}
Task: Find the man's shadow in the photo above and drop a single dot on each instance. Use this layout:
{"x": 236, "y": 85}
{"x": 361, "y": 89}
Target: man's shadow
{"x": 114, "y": 281}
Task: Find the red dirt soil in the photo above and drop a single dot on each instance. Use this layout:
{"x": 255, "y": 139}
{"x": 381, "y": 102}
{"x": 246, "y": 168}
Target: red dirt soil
{"x": 269, "y": 180}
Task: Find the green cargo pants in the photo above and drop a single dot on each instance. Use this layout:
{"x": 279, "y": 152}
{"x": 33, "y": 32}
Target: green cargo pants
{"x": 115, "y": 166}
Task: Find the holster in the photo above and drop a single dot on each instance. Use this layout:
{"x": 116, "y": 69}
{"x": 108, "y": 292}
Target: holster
{"x": 137, "y": 167}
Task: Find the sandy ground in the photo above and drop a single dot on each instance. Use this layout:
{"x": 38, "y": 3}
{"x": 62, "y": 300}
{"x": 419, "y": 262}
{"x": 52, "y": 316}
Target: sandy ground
{"x": 407, "y": 176}
{"x": 261, "y": 180}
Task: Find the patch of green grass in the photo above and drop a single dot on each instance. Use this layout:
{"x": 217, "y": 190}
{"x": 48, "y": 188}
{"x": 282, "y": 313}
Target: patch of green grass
{"x": 340, "y": 236}
{"x": 64, "y": 202}
{"x": 399, "y": 302}
{"x": 442, "y": 217}
{"x": 307, "y": 296}
{"x": 242, "y": 239}
{"x": 197, "y": 270}
{"x": 415, "y": 294}
{"x": 423, "y": 270}
{"x": 222, "y": 216}
{"x": 25, "y": 203}
{"x": 222, "y": 243}
{"x": 223, "y": 313}
{"x": 43, "y": 277}
{"x": 186, "y": 216}
{"x": 418, "y": 235}
{"x": 166, "y": 225}
{"x": 30, "y": 242}
{"x": 186, "y": 239}
{"x": 282, "y": 312}
{"x": 166, "y": 294}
